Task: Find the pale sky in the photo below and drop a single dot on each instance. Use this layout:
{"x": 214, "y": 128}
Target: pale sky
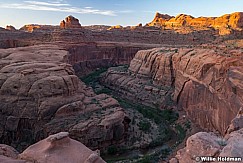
{"x": 108, "y": 12}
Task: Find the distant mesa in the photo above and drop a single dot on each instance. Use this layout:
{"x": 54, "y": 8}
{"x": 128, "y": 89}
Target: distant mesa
{"x": 10, "y": 28}
{"x": 70, "y": 22}
{"x": 223, "y": 23}
{"x": 37, "y": 27}
{"x": 115, "y": 27}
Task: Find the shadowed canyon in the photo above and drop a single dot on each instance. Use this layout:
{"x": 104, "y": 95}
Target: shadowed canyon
{"x": 168, "y": 91}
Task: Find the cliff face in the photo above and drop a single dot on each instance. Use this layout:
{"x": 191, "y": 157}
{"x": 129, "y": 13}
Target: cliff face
{"x": 206, "y": 83}
{"x": 224, "y": 23}
{"x": 70, "y": 22}
{"x": 48, "y": 98}
{"x": 87, "y": 57}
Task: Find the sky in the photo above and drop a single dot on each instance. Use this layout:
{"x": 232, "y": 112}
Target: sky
{"x": 107, "y": 12}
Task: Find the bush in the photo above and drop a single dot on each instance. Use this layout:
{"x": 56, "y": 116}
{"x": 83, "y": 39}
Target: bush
{"x": 144, "y": 125}
{"x": 112, "y": 150}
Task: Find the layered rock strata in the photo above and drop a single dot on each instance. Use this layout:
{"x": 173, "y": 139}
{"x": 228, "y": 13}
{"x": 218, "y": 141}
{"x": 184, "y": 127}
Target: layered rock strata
{"x": 41, "y": 95}
{"x": 206, "y": 83}
{"x": 225, "y": 24}
{"x": 70, "y": 22}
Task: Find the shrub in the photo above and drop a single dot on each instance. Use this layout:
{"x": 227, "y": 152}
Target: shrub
{"x": 144, "y": 125}
{"x": 112, "y": 150}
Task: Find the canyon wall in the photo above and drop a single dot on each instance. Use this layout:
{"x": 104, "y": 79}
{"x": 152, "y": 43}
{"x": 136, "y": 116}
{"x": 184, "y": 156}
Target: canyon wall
{"x": 89, "y": 56}
{"x": 41, "y": 95}
{"x": 206, "y": 83}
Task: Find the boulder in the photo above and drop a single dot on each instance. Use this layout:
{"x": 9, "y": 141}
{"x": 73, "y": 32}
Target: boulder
{"x": 59, "y": 148}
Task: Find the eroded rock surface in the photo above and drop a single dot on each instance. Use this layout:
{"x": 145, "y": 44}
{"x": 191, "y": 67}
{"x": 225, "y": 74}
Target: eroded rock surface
{"x": 206, "y": 83}
{"x": 225, "y": 24}
{"x": 41, "y": 95}
{"x": 70, "y": 22}
{"x": 59, "y": 148}
{"x": 212, "y": 145}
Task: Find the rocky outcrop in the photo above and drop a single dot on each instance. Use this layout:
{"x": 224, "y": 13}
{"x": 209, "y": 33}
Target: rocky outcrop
{"x": 70, "y": 22}
{"x": 10, "y": 28}
{"x": 224, "y": 23}
{"x": 49, "y": 98}
{"x": 204, "y": 144}
{"x": 57, "y": 148}
{"x": 206, "y": 83}
{"x": 38, "y": 28}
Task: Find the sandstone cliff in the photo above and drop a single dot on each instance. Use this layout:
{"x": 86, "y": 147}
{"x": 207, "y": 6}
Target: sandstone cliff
{"x": 70, "y": 22}
{"x": 49, "y": 98}
{"x": 223, "y": 23}
{"x": 206, "y": 83}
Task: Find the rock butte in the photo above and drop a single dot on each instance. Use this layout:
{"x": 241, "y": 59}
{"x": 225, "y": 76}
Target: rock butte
{"x": 70, "y": 23}
{"x": 194, "y": 63}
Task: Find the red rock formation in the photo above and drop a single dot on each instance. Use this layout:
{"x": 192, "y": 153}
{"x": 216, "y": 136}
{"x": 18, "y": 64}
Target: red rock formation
{"x": 11, "y": 28}
{"x": 209, "y": 144}
{"x": 38, "y": 27}
{"x": 224, "y": 23}
{"x": 49, "y": 98}
{"x": 59, "y": 148}
{"x": 87, "y": 57}
{"x": 206, "y": 82}
{"x": 70, "y": 22}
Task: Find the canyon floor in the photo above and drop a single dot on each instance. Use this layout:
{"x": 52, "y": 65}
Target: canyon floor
{"x": 153, "y": 93}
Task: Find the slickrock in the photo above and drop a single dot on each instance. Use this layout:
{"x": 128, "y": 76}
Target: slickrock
{"x": 48, "y": 98}
{"x": 206, "y": 83}
{"x": 70, "y": 22}
{"x": 59, "y": 148}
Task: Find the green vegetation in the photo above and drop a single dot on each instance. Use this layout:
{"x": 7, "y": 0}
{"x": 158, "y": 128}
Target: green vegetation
{"x": 181, "y": 132}
{"x": 104, "y": 90}
{"x": 112, "y": 150}
{"x": 188, "y": 124}
{"x": 222, "y": 142}
{"x": 164, "y": 135}
{"x": 93, "y": 77}
{"x": 144, "y": 125}
{"x": 157, "y": 115}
